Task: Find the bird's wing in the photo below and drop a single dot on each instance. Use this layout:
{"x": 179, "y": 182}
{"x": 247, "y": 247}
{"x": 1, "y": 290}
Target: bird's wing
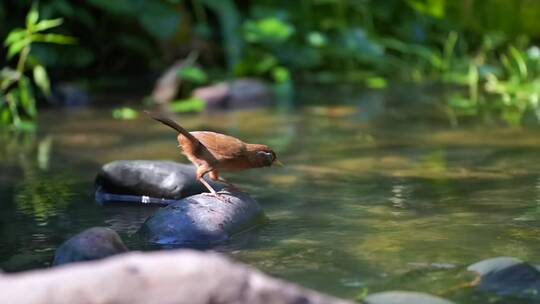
{"x": 220, "y": 145}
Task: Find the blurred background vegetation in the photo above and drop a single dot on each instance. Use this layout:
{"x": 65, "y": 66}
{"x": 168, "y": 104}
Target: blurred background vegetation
{"x": 484, "y": 50}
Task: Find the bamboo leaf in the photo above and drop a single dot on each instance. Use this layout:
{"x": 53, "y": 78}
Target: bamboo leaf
{"x": 42, "y": 79}
{"x": 32, "y": 17}
{"x": 48, "y": 24}
{"x": 54, "y": 38}
{"x": 27, "y": 99}
{"x": 16, "y": 47}
{"x": 15, "y": 35}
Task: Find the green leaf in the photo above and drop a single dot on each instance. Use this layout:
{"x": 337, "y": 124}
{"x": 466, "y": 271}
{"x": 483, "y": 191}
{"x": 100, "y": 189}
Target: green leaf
{"x": 125, "y": 113}
{"x": 42, "y": 79}
{"x": 54, "y": 38}
{"x": 16, "y": 47}
{"x": 193, "y": 74}
{"x": 267, "y": 30}
{"x": 26, "y": 95}
{"x": 48, "y": 24}
{"x": 15, "y": 35}
{"x": 26, "y": 125}
{"x": 5, "y": 115}
{"x": 280, "y": 74}
{"x": 193, "y": 104}
{"x": 32, "y": 17}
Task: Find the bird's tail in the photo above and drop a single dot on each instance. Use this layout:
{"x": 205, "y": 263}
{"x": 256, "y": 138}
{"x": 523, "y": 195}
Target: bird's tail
{"x": 169, "y": 122}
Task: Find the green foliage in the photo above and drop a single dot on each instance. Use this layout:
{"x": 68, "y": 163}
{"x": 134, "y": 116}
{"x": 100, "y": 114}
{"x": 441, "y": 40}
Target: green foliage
{"x": 193, "y": 74}
{"x": 125, "y": 113}
{"x": 17, "y": 88}
{"x": 193, "y": 104}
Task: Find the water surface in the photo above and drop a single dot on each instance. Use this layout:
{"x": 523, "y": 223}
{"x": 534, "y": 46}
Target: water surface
{"x": 378, "y": 192}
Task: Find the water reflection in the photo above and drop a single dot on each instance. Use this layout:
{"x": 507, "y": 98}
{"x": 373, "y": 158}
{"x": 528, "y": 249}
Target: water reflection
{"x": 368, "y": 198}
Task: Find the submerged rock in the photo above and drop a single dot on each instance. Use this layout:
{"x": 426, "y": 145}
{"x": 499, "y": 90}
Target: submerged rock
{"x": 91, "y": 244}
{"x": 202, "y": 220}
{"x": 508, "y": 276}
{"x": 403, "y": 297}
{"x": 160, "y": 179}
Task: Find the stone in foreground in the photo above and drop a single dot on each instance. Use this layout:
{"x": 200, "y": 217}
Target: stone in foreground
{"x": 159, "y": 179}
{"x": 508, "y": 276}
{"x": 91, "y": 244}
{"x": 202, "y": 220}
{"x": 404, "y": 297}
{"x": 166, "y": 277}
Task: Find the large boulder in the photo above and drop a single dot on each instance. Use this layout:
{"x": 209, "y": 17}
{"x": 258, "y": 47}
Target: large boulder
{"x": 166, "y": 277}
{"x": 507, "y": 276}
{"x": 91, "y": 244}
{"x": 158, "y": 179}
{"x": 202, "y": 220}
{"x": 403, "y": 297}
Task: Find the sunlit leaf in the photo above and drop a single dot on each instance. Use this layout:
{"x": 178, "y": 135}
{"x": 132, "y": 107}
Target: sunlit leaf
{"x": 15, "y": 35}
{"x": 267, "y": 30}
{"x": 32, "y": 17}
{"x": 188, "y": 105}
{"x": 193, "y": 74}
{"x": 54, "y": 38}
{"x": 376, "y": 82}
{"x": 316, "y": 39}
{"x": 47, "y": 24}
{"x": 125, "y": 113}
{"x": 42, "y": 79}
{"x": 16, "y": 47}
{"x": 280, "y": 74}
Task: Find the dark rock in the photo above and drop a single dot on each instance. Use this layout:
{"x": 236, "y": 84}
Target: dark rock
{"x": 508, "y": 276}
{"x": 160, "y": 179}
{"x": 237, "y": 94}
{"x": 403, "y": 297}
{"x": 173, "y": 276}
{"x": 201, "y": 220}
{"x": 91, "y": 244}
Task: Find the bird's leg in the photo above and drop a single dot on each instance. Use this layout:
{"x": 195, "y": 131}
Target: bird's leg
{"x": 201, "y": 171}
{"x": 214, "y": 175}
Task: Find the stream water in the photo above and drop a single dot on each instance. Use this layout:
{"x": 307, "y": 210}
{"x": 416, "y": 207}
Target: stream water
{"x": 379, "y": 192}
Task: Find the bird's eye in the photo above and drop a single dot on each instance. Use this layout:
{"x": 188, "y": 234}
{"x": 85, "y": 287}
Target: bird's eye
{"x": 264, "y": 154}
{"x": 268, "y": 157}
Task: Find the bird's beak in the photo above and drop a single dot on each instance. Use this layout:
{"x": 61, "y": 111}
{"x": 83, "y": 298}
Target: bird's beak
{"x": 278, "y": 162}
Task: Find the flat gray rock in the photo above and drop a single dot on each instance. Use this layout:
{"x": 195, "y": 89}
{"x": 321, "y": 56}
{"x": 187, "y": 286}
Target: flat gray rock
{"x": 164, "y": 277}
{"x": 158, "y": 179}
{"x": 508, "y": 276}
{"x": 92, "y": 244}
{"x": 404, "y": 297}
{"x": 202, "y": 220}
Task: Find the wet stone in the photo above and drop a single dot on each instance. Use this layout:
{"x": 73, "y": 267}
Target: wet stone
{"x": 92, "y": 244}
{"x": 160, "y": 179}
{"x": 202, "y": 220}
{"x": 507, "y": 276}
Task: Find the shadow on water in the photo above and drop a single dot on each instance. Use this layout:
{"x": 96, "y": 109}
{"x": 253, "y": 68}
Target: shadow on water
{"x": 378, "y": 191}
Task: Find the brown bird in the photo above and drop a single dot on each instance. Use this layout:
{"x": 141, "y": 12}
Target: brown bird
{"x": 212, "y": 152}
